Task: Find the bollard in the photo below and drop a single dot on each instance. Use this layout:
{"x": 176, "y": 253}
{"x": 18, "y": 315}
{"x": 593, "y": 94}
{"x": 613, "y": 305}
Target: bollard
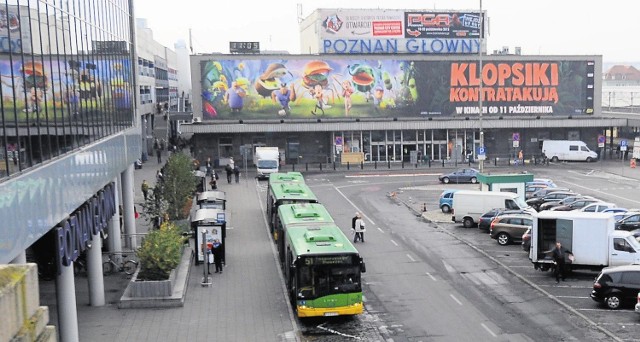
{"x": 388, "y": 164}
{"x": 375, "y": 164}
{"x": 334, "y": 166}
{"x": 416, "y": 165}
{"x": 429, "y": 163}
{"x": 320, "y": 166}
{"x": 403, "y": 164}
{"x": 293, "y": 165}
{"x": 424, "y": 207}
{"x": 306, "y": 166}
{"x": 442, "y": 162}
{"x": 362, "y": 165}
{"x": 348, "y": 166}
{"x": 495, "y": 161}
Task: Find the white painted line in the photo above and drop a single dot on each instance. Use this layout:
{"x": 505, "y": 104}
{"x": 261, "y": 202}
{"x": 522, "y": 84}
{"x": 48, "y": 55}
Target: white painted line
{"x": 608, "y": 193}
{"x": 574, "y": 297}
{"x": 380, "y": 229}
{"x": 432, "y": 277}
{"x": 395, "y": 243}
{"x": 455, "y": 299}
{"x": 411, "y": 258}
{"x": 393, "y": 175}
{"x": 607, "y": 310}
{"x": 488, "y": 330}
{"x": 354, "y": 205}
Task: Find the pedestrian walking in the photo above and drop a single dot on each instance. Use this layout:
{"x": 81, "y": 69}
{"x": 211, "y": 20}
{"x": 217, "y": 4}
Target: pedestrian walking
{"x": 209, "y": 166}
{"x": 145, "y": 189}
{"x": 217, "y": 255}
{"x": 236, "y": 173}
{"x": 159, "y": 155}
{"x": 229, "y": 171}
{"x": 560, "y": 256}
{"x": 359, "y": 229}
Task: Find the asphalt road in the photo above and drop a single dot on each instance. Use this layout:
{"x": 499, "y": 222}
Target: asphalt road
{"x": 441, "y": 282}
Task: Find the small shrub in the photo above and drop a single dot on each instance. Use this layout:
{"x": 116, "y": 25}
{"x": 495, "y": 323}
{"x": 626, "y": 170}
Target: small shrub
{"x": 160, "y": 252}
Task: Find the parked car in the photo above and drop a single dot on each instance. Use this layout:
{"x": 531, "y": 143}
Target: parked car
{"x": 564, "y": 201}
{"x": 547, "y": 190}
{"x": 460, "y": 176}
{"x": 536, "y": 202}
{"x": 529, "y": 189}
{"x": 507, "y": 229}
{"x": 446, "y": 200}
{"x": 629, "y": 222}
{"x": 617, "y": 286}
{"x": 545, "y": 181}
{"x": 526, "y": 240}
{"x": 485, "y": 220}
{"x": 638, "y": 304}
{"x": 575, "y": 205}
{"x": 615, "y": 210}
{"x": 598, "y": 207}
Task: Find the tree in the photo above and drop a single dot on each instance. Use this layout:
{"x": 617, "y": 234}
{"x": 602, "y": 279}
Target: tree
{"x": 179, "y": 185}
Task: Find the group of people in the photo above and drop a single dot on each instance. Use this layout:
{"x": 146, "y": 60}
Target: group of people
{"x": 358, "y": 228}
{"x": 231, "y": 170}
{"x": 214, "y": 255}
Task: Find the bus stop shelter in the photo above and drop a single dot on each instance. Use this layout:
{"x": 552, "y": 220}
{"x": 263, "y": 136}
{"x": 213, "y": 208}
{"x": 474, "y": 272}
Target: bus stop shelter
{"x": 208, "y": 225}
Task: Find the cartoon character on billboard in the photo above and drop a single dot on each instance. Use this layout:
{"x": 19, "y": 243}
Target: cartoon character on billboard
{"x": 119, "y": 88}
{"x": 363, "y": 78}
{"x": 35, "y": 84}
{"x": 235, "y": 97}
{"x": 270, "y": 79}
{"x": 283, "y": 96}
{"x": 214, "y": 87}
{"x": 89, "y": 87}
{"x": 316, "y": 79}
{"x": 347, "y": 91}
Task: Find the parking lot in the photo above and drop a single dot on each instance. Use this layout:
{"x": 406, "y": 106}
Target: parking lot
{"x": 572, "y": 293}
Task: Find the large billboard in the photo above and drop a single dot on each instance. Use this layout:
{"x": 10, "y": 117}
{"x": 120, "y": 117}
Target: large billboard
{"x": 396, "y": 31}
{"x": 337, "y": 88}
{"x": 15, "y": 33}
{"x": 35, "y": 88}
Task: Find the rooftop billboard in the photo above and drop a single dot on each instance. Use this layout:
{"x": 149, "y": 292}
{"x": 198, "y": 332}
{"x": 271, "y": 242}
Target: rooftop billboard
{"x": 272, "y": 88}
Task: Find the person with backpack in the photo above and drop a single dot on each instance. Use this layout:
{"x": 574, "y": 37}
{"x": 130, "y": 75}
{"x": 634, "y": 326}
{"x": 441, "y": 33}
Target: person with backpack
{"x": 229, "y": 171}
{"x": 236, "y": 172}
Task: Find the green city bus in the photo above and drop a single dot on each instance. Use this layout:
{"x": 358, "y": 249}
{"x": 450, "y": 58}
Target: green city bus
{"x": 304, "y": 214}
{"x": 322, "y": 270}
{"x": 286, "y": 193}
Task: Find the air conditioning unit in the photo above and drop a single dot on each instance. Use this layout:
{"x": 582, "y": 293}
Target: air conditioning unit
{"x": 197, "y": 120}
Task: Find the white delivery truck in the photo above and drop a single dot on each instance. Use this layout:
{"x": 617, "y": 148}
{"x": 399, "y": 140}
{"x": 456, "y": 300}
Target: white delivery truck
{"x": 267, "y": 161}
{"x": 591, "y": 238}
{"x": 572, "y": 150}
{"x": 469, "y": 205}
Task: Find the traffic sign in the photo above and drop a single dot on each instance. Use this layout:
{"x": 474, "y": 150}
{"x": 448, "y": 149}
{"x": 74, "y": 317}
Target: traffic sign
{"x": 623, "y": 143}
{"x": 481, "y": 150}
{"x": 516, "y": 143}
{"x": 601, "y": 140}
{"x": 516, "y": 137}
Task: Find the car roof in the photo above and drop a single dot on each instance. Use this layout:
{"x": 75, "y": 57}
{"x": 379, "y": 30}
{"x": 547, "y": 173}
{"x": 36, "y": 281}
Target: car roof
{"x": 518, "y": 215}
{"x": 623, "y": 268}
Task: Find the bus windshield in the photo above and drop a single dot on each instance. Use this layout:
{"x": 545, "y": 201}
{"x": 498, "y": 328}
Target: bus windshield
{"x": 319, "y": 281}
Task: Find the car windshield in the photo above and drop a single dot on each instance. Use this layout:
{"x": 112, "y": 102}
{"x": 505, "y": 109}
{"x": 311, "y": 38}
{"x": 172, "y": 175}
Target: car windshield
{"x": 267, "y": 164}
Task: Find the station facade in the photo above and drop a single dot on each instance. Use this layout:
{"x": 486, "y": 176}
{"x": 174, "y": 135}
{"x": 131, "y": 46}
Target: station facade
{"x": 392, "y": 84}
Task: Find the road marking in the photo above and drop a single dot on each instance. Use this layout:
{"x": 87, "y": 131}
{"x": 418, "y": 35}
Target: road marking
{"x": 355, "y": 206}
{"x": 608, "y": 193}
{"x": 395, "y": 243}
{"x": 608, "y": 310}
{"x": 380, "y": 229}
{"x": 432, "y": 277}
{"x": 574, "y": 297}
{"x": 488, "y": 330}
{"x": 411, "y": 258}
{"x": 392, "y": 175}
{"x": 455, "y": 299}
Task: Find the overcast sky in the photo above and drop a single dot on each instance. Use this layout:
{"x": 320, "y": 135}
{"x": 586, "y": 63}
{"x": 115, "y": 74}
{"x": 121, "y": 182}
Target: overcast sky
{"x": 550, "y": 27}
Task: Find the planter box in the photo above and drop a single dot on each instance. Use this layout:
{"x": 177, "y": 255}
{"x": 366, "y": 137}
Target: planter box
{"x": 151, "y": 288}
{"x": 158, "y": 294}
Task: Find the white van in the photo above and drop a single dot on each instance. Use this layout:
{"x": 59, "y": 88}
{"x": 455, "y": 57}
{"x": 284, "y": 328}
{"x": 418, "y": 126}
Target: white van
{"x": 573, "y": 150}
{"x": 469, "y": 205}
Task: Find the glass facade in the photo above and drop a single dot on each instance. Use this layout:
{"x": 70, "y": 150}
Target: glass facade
{"x": 67, "y": 77}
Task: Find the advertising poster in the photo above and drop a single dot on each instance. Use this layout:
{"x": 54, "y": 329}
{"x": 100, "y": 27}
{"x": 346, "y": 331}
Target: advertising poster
{"x": 42, "y": 87}
{"x": 15, "y": 33}
{"x": 508, "y": 87}
{"x": 339, "y": 88}
{"x": 442, "y": 25}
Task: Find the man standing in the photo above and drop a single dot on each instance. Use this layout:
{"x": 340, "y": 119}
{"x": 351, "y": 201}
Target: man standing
{"x": 359, "y": 229}
{"x": 559, "y": 254}
{"x": 217, "y": 255}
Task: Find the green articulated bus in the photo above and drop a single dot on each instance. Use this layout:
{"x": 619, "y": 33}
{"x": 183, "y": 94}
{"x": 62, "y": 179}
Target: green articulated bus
{"x": 286, "y": 193}
{"x": 293, "y": 215}
{"x": 321, "y": 267}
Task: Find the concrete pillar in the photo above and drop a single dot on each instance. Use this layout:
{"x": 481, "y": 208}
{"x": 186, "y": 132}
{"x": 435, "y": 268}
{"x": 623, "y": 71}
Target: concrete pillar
{"x": 127, "y": 204}
{"x": 20, "y": 259}
{"x": 66, "y": 299}
{"x": 114, "y": 241}
{"x": 94, "y": 272}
